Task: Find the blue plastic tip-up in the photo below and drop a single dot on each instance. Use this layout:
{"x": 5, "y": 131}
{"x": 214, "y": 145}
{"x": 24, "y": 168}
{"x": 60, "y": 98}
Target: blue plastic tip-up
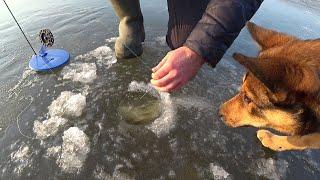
{"x": 49, "y": 59}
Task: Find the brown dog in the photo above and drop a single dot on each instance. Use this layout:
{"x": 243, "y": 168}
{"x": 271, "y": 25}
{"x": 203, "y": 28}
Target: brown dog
{"x": 281, "y": 91}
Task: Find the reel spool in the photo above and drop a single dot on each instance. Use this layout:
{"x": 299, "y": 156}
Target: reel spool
{"x": 48, "y": 59}
{"x": 46, "y": 37}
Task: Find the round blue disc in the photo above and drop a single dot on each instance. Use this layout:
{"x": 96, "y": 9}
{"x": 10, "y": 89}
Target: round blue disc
{"x": 54, "y": 58}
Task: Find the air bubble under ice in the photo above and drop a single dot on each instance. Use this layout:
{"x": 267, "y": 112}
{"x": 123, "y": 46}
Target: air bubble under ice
{"x": 75, "y": 148}
{"x": 68, "y": 104}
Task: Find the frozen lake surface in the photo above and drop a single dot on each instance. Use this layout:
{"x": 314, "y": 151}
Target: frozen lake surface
{"x": 66, "y": 124}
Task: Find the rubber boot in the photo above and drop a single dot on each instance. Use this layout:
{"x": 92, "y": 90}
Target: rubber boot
{"x": 131, "y": 30}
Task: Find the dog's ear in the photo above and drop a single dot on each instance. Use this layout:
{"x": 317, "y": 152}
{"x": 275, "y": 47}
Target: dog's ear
{"x": 255, "y": 67}
{"x": 275, "y": 73}
{"x": 267, "y": 38}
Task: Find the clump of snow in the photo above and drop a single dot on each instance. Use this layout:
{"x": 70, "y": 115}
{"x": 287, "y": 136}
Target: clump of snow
{"x": 104, "y": 55}
{"x": 165, "y": 122}
{"x": 48, "y": 127}
{"x": 75, "y": 148}
{"x": 111, "y": 40}
{"x": 100, "y": 174}
{"x": 68, "y": 104}
{"x": 80, "y": 72}
{"x": 161, "y": 40}
{"x": 22, "y": 157}
{"x": 270, "y": 168}
{"x": 27, "y": 73}
{"x": 53, "y": 151}
{"x": 218, "y": 172}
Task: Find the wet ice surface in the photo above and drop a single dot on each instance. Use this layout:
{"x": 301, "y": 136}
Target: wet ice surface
{"x": 79, "y": 133}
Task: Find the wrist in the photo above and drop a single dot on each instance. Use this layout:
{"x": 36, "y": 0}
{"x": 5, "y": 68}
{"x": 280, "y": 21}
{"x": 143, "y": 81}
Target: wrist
{"x": 193, "y": 55}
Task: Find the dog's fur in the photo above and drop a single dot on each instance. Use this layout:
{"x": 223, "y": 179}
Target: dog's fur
{"x": 281, "y": 91}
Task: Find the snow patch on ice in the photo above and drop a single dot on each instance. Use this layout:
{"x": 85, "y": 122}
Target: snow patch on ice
{"x": 68, "y": 104}
{"x": 270, "y": 168}
{"x": 22, "y": 157}
{"x": 53, "y": 151}
{"x": 80, "y": 72}
{"x": 218, "y": 172}
{"x": 161, "y": 40}
{"x": 163, "y": 124}
{"x": 103, "y": 54}
{"x": 111, "y": 40}
{"x": 48, "y": 127}
{"x": 100, "y": 174}
{"x": 75, "y": 148}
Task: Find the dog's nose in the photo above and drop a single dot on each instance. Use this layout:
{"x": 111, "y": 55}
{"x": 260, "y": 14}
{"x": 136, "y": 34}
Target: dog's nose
{"x": 220, "y": 114}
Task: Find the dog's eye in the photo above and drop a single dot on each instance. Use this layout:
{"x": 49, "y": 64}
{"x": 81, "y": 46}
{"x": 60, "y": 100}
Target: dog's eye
{"x": 246, "y": 99}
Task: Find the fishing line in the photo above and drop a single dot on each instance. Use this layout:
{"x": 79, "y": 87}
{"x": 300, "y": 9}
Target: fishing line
{"x": 20, "y": 28}
{"x": 143, "y": 63}
{"x": 18, "y": 119}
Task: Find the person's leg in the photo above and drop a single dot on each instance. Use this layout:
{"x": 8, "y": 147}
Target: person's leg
{"x": 131, "y": 30}
{"x": 183, "y": 16}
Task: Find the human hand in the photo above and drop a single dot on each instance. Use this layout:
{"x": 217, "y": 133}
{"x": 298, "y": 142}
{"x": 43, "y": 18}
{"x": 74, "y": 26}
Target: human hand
{"x": 176, "y": 69}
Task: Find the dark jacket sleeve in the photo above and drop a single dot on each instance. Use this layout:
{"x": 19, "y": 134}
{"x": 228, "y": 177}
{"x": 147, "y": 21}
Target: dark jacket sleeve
{"x": 219, "y": 26}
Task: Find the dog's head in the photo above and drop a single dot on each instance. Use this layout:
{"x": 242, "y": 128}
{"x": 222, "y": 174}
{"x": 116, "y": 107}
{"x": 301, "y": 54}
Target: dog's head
{"x": 282, "y": 70}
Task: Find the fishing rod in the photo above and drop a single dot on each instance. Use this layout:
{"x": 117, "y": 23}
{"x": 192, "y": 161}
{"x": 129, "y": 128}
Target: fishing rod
{"x": 45, "y": 59}
{"x": 20, "y": 28}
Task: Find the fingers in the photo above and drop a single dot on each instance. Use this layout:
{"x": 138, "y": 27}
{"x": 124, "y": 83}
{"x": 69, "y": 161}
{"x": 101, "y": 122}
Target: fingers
{"x": 164, "y": 81}
{"x": 161, "y": 63}
{"x": 174, "y": 85}
{"x": 162, "y": 71}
